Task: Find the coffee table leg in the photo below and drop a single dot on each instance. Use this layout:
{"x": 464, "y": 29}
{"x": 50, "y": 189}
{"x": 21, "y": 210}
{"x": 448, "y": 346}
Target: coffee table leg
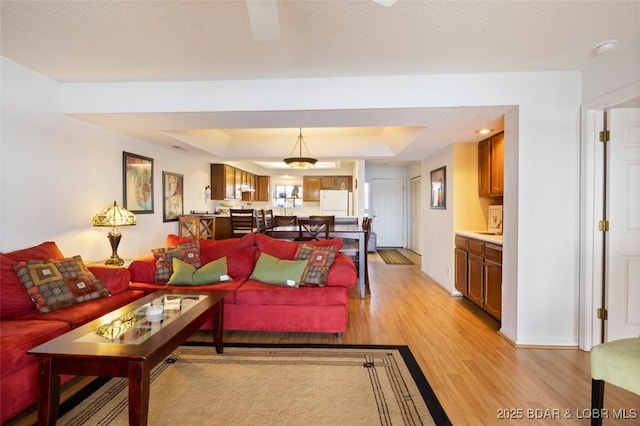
{"x": 48, "y": 393}
{"x": 139, "y": 385}
{"x": 217, "y": 331}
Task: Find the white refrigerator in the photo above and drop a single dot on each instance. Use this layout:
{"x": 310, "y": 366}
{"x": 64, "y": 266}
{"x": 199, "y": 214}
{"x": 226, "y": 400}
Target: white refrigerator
{"x": 334, "y": 202}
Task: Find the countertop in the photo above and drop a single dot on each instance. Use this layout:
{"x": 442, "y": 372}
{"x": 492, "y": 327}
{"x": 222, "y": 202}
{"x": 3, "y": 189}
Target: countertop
{"x": 481, "y": 235}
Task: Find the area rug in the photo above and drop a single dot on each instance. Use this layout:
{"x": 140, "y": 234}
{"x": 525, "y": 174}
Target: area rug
{"x": 275, "y": 385}
{"x": 393, "y": 257}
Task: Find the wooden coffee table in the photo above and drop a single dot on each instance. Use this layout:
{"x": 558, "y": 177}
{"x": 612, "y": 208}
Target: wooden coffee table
{"x": 124, "y": 343}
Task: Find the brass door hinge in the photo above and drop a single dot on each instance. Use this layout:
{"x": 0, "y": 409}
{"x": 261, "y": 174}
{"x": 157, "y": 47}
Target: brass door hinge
{"x": 603, "y": 225}
{"x": 604, "y": 136}
{"x": 602, "y": 314}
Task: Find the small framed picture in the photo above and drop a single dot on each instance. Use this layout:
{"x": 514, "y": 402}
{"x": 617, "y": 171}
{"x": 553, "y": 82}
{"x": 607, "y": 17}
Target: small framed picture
{"x": 172, "y": 198}
{"x": 438, "y": 188}
{"x": 137, "y": 183}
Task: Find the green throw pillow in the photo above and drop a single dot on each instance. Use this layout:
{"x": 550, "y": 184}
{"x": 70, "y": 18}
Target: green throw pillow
{"x": 187, "y": 274}
{"x": 271, "y": 270}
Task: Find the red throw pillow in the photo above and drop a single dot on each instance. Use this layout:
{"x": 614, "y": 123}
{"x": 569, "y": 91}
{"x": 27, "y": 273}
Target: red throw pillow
{"x": 56, "y": 284}
{"x": 14, "y": 298}
{"x": 320, "y": 260}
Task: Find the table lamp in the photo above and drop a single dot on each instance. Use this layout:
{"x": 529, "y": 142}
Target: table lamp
{"x": 114, "y": 216}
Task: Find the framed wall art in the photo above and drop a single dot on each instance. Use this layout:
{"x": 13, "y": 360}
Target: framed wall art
{"x": 137, "y": 183}
{"x": 172, "y": 196}
{"x": 438, "y": 188}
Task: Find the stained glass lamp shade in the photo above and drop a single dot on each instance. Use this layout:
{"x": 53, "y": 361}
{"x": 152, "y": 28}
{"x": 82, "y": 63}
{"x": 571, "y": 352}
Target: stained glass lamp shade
{"x": 114, "y": 216}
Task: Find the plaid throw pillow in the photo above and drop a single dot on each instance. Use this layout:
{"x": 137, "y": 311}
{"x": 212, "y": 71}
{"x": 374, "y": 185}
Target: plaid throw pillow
{"x": 187, "y": 252}
{"x": 320, "y": 260}
{"x": 56, "y": 284}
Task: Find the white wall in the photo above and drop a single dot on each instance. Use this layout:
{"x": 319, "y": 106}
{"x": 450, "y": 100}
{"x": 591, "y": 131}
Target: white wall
{"x": 546, "y": 165}
{"x": 57, "y": 172}
{"x": 437, "y": 227}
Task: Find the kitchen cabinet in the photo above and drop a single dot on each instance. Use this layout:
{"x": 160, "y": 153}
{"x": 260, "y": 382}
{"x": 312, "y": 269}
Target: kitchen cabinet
{"x": 344, "y": 182}
{"x": 223, "y": 181}
{"x": 480, "y": 278}
{"x": 204, "y": 227}
{"x": 263, "y": 189}
{"x": 475, "y": 284}
{"x": 493, "y": 280}
{"x": 336, "y": 182}
{"x": 491, "y": 166}
{"x": 311, "y": 188}
{"x": 460, "y": 277}
{"x": 226, "y": 182}
{"x": 327, "y": 182}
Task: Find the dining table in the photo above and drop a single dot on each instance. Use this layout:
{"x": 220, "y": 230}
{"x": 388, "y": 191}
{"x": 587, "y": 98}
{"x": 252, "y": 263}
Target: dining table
{"x": 344, "y": 231}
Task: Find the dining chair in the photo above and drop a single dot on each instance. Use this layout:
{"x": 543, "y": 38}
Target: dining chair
{"x": 243, "y": 221}
{"x": 267, "y": 216}
{"x": 352, "y": 249}
{"x": 261, "y": 225}
{"x": 330, "y": 218}
{"x": 313, "y": 229}
{"x": 280, "y": 220}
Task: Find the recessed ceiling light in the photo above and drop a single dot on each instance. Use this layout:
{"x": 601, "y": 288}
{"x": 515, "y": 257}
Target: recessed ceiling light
{"x": 484, "y": 131}
{"x": 605, "y": 46}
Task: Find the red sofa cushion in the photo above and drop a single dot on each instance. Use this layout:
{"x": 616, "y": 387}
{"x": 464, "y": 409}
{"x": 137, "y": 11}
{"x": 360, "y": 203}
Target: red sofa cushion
{"x": 229, "y": 286}
{"x": 284, "y": 249}
{"x": 14, "y": 296}
{"x": 258, "y": 293}
{"x": 239, "y": 252}
{"x": 17, "y": 337}
{"x": 77, "y": 315}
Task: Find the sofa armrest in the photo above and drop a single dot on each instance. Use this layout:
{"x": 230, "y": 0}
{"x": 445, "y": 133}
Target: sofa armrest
{"x": 143, "y": 270}
{"x": 342, "y": 272}
{"x": 115, "y": 279}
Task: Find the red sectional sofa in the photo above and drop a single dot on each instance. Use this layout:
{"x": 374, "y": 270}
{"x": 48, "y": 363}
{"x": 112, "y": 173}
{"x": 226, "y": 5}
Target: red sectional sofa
{"x": 255, "y": 305}
{"x": 23, "y": 327}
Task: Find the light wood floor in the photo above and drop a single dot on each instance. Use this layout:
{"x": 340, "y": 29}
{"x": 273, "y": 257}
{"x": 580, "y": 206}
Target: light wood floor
{"x": 473, "y": 370}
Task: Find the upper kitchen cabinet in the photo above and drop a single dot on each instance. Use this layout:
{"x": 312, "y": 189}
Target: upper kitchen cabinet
{"x": 262, "y": 188}
{"x": 344, "y": 182}
{"x": 311, "y": 188}
{"x": 336, "y": 182}
{"x": 223, "y": 181}
{"x": 491, "y": 166}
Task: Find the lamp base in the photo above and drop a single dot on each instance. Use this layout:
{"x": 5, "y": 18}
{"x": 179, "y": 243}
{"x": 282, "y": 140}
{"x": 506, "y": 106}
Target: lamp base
{"x": 116, "y": 261}
{"x": 114, "y": 240}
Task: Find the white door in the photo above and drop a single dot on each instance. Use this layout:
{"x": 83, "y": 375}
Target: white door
{"x": 415, "y": 205}
{"x": 387, "y": 197}
{"x": 623, "y": 238}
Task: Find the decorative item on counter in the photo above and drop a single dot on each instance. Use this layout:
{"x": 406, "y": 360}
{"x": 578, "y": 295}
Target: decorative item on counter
{"x": 495, "y": 219}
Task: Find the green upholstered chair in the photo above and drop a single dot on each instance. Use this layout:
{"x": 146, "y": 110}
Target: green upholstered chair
{"x": 618, "y": 363}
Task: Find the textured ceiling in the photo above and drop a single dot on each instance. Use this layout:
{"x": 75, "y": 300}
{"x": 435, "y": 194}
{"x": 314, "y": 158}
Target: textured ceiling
{"x": 108, "y": 41}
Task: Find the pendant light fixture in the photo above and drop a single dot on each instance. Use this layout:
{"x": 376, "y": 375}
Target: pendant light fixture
{"x": 300, "y": 162}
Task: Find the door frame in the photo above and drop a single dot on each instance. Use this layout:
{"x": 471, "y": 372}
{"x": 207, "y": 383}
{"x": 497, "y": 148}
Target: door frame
{"x": 591, "y": 181}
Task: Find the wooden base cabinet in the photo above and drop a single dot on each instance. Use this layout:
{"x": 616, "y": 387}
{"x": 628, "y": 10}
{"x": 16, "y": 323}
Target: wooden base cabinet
{"x": 478, "y": 274}
{"x": 461, "y": 265}
{"x": 204, "y": 227}
{"x": 493, "y": 280}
